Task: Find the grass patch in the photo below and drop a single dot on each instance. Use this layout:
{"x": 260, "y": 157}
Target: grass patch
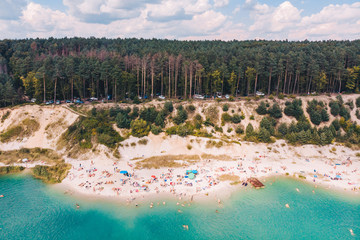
{"x": 25, "y": 129}
{"x": 143, "y": 141}
{"x": 211, "y": 143}
{"x": 11, "y": 169}
{"x": 229, "y": 177}
{"x": 5, "y": 116}
{"x": 217, "y": 157}
{"x": 51, "y": 174}
{"x": 169, "y": 161}
{"x": 35, "y": 154}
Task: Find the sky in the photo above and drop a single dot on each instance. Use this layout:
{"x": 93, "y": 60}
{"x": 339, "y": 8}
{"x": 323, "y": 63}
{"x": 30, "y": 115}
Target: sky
{"x": 181, "y": 19}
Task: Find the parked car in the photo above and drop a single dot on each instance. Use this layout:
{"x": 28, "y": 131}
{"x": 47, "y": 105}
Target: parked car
{"x": 227, "y": 96}
{"x": 78, "y": 101}
{"x": 162, "y": 97}
{"x": 198, "y": 96}
{"x": 58, "y": 102}
{"x": 93, "y": 99}
{"x": 33, "y": 100}
{"x": 68, "y": 101}
{"x": 258, "y": 93}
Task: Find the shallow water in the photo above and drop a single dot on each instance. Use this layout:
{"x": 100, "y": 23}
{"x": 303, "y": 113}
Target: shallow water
{"x": 32, "y": 210}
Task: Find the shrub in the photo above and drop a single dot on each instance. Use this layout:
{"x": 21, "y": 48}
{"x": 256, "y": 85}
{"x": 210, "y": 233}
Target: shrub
{"x": 51, "y": 174}
{"x": 181, "y": 116}
{"x": 281, "y": 96}
{"x": 160, "y": 119}
{"x": 139, "y": 128}
{"x": 122, "y": 120}
{"x": 317, "y": 112}
{"x": 324, "y": 115}
{"x": 143, "y": 141}
{"x": 261, "y": 109}
{"x": 218, "y": 129}
{"x": 275, "y": 111}
{"x": 225, "y": 117}
{"x": 225, "y": 107}
{"x": 344, "y": 113}
{"x": 190, "y": 108}
{"x": 93, "y": 112}
{"x": 212, "y": 113}
{"x": 336, "y": 124}
{"x": 5, "y": 116}
{"x": 250, "y": 130}
{"x": 252, "y": 117}
{"x": 282, "y": 129}
{"x": 168, "y": 108}
{"x": 239, "y": 129}
{"x": 294, "y": 109}
{"x": 357, "y": 113}
{"x": 156, "y": 130}
{"x": 357, "y": 102}
{"x": 149, "y": 114}
{"x": 236, "y": 118}
{"x": 229, "y": 130}
{"x": 334, "y": 108}
{"x": 350, "y": 103}
{"x": 268, "y": 124}
{"x": 264, "y": 135}
{"x": 135, "y": 113}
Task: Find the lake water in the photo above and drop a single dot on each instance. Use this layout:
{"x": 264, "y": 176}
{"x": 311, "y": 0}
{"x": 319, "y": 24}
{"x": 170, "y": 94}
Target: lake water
{"x": 33, "y": 210}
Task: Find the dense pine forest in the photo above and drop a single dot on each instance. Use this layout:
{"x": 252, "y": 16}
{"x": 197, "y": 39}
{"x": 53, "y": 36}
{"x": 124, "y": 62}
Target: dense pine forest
{"x": 129, "y": 68}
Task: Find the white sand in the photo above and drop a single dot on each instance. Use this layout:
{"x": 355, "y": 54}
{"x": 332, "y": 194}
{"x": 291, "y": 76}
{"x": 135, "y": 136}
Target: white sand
{"x": 317, "y": 164}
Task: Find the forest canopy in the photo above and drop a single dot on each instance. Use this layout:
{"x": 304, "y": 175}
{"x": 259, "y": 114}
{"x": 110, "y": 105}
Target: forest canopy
{"x": 129, "y": 68}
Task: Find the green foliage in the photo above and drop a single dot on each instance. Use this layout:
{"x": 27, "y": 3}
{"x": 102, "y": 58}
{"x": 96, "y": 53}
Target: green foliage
{"x": 252, "y": 117}
{"x": 156, "y": 130}
{"x": 5, "y": 116}
{"x": 317, "y": 112}
{"x": 93, "y": 112}
{"x": 282, "y": 129}
{"x": 160, "y": 119}
{"x": 350, "y": 103}
{"x": 190, "y": 108}
{"x": 122, "y": 120}
{"x": 239, "y": 129}
{"x": 357, "y": 102}
{"x": 11, "y": 169}
{"x": 181, "y": 130}
{"x": 357, "y": 114}
{"x": 264, "y": 135}
{"x": 11, "y": 134}
{"x": 275, "y": 111}
{"x": 225, "y": 107}
{"x": 250, "y": 130}
{"x": 336, "y": 124}
{"x": 51, "y": 174}
{"x": 334, "y": 108}
{"x": 294, "y": 109}
{"x": 149, "y": 114}
{"x": 268, "y": 124}
{"x": 139, "y": 128}
{"x": 225, "y": 117}
{"x": 168, "y": 108}
{"x": 261, "y": 109}
{"x": 236, "y": 118}
{"x": 181, "y": 116}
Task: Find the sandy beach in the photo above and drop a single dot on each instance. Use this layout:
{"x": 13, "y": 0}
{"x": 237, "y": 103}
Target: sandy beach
{"x": 122, "y": 180}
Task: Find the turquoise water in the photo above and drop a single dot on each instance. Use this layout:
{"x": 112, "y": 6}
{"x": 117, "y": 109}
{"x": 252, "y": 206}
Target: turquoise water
{"x": 32, "y": 210}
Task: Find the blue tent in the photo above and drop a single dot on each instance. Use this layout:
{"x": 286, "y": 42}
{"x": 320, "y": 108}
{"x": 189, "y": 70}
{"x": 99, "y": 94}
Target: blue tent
{"x": 123, "y": 172}
{"x": 338, "y": 176}
{"x": 194, "y": 171}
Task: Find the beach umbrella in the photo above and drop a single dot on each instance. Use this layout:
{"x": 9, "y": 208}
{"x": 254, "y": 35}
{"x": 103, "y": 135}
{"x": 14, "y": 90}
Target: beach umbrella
{"x": 153, "y": 176}
{"x": 123, "y": 172}
{"x": 194, "y": 171}
{"x": 191, "y": 175}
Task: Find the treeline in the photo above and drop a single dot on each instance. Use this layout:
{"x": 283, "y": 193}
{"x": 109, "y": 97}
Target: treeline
{"x": 127, "y": 68}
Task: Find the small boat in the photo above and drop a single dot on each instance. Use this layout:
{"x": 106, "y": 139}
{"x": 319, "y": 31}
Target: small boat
{"x": 352, "y": 232}
{"x": 1, "y": 195}
{"x": 287, "y": 205}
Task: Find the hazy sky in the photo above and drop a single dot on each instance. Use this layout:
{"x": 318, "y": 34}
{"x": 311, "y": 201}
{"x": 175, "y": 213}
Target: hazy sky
{"x": 181, "y": 19}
